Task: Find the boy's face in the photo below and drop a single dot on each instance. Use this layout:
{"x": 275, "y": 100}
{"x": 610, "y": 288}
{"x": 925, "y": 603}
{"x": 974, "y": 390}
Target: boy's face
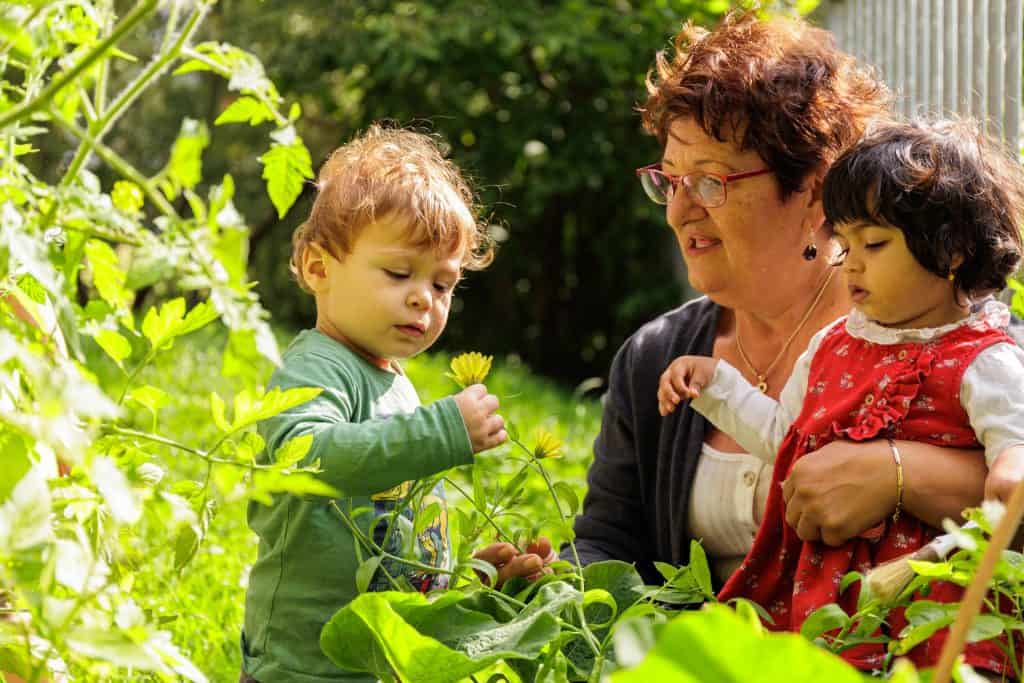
{"x": 386, "y": 299}
{"x": 888, "y": 284}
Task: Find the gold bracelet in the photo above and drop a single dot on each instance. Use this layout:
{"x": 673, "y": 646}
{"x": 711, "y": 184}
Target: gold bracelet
{"x": 899, "y": 479}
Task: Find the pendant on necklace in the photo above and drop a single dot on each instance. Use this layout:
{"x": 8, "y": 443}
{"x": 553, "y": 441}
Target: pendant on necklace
{"x": 762, "y": 384}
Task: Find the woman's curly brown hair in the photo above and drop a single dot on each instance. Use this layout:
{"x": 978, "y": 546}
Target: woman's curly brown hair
{"x": 779, "y": 86}
{"x": 387, "y": 171}
{"x": 951, "y": 190}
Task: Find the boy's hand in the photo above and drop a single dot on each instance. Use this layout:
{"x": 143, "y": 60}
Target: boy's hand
{"x": 531, "y": 565}
{"x": 1005, "y": 474}
{"x": 685, "y": 377}
{"x": 486, "y": 428}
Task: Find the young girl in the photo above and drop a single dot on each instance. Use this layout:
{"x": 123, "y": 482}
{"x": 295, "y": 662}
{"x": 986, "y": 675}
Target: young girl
{"x": 927, "y": 218}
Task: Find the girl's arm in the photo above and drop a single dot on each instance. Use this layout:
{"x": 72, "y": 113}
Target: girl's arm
{"x": 756, "y": 421}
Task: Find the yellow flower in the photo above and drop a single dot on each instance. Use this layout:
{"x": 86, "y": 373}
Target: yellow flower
{"x": 547, "y": 445}
{"x": 470, "y": 368}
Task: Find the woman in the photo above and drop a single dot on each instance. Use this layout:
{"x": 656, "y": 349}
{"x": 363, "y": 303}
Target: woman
{"x": 750, "y": 116}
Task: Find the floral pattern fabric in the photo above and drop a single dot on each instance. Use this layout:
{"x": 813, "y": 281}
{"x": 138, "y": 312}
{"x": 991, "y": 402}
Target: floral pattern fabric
{"x": 859, "y": 389}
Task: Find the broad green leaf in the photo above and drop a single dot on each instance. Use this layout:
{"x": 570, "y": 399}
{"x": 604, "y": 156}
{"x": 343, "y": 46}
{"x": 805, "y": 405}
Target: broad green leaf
{"x": 249, "y": 409}
{"x": 984, "y": 627}
{"x": 245, "y": 110}
{"x": 186, "y": 545}
{"x": 714, "y": 644}
{"x": 293, "y": 451}
{"x": 440, "y": 639}
{"x": 285, "y": 168}
{"x": 297, "y": 483}
{"x": 158, "y": 326}
{"x": 115, "y": 345}
{"x": 107, "y": 276}
{"x": 824, "y": 619}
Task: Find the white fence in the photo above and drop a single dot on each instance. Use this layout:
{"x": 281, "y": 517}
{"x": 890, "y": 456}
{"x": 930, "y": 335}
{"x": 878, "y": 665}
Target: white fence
{"x": 960, "y": 56}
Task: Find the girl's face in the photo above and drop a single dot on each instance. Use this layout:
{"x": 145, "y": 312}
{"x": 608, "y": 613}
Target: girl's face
{"x": 733, "y": 250}
{"x": 887, "y": 283}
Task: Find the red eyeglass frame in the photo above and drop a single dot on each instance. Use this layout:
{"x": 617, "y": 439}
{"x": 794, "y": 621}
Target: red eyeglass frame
{"x": 675, "y": 180}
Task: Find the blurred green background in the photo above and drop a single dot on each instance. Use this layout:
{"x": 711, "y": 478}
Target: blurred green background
{"x": 537, "y": 101}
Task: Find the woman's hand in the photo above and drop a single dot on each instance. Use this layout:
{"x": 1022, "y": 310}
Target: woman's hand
{"x": 531, "y": 564}
{"x": 845, "y": 488}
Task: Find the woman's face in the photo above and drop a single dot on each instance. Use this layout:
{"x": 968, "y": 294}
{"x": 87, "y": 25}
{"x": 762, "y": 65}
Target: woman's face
{"x": 754, "y": 240}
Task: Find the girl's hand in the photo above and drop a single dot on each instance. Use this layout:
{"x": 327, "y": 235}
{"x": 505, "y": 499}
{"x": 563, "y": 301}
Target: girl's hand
{"x": 685, "y": 377}
{"x": 531, "y": 565}
{"x": 1005, "y": 475}
{"x": 480, "y": 413}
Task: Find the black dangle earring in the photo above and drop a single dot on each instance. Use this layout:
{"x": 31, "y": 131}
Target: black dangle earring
{"x": 811, "y": 252}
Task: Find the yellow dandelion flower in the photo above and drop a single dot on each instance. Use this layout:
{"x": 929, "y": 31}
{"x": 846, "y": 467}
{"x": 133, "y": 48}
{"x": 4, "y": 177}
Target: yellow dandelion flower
{"x": 470, "y": 368}
{"x": 547, "y": 445}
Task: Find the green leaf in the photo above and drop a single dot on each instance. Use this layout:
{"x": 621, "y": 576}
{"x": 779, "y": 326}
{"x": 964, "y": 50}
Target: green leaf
{"x": 217, "y": 410}
{"x": 245, "y": 110}
{"x": 426, "y": 517}
{"x": 107, "y": 276}
{"x": 186, "y": 544}
{"x": 149, "y": 396}
{"x": 249, "y": 409}
{"x": 701, "y": 570}
{"x": 365, "y": 572}
{"x": 297, "y": 483}
{"x": 158, "y": 325}
{"x": 568, "y": 495}
{"x": 415, "y": 638}
{"x": 293, "y": 451}
{"x": 714, "y": 644}
{"x": 824, "y": 619}
{"x": 285, "y": 168}
{"x": 984, "y": 627}
{"x": 185, "y": 168}
{"x": 115, "y": 345}
{"x": 127, "y": 196}
{"x": 598, "y": 596}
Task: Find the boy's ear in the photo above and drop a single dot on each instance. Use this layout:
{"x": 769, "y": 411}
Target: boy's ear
{"x": 314, "y": 267}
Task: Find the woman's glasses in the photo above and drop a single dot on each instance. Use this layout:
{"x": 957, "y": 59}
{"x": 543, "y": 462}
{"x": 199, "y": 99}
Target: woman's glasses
{"x": 705, "y": 189}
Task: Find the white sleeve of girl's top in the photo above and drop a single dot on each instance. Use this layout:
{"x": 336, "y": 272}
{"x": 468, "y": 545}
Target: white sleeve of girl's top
{"x": 992, "y": 393}
{"x": 756, "y": 422}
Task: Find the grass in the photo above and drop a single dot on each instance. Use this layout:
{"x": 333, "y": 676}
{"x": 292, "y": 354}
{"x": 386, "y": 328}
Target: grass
{"x": 203, "y": 604}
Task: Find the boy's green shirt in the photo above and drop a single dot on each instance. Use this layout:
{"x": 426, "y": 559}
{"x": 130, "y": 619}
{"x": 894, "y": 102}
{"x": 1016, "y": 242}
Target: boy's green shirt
{"x": 371, "y": 437}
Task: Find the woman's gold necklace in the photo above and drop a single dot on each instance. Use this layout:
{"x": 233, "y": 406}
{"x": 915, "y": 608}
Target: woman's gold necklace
{"x": 762, "y": 377}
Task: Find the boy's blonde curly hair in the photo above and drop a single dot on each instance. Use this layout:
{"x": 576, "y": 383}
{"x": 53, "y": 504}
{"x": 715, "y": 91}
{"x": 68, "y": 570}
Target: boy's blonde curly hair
{"x": 393, "y": 171}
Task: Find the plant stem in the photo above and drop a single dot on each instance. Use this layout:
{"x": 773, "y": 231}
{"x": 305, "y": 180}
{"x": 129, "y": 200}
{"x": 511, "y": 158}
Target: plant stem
{"x": 155, "y": 438}
{"x": 24, "y": 109}
{"x": 224, "y": 72}
{"x": 501, "y": 534}
{"x": 116, "y": 162}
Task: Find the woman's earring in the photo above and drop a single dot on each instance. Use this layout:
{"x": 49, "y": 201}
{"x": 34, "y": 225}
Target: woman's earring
{"x": 811, "y": 252}
{"x": 952, "y": 276}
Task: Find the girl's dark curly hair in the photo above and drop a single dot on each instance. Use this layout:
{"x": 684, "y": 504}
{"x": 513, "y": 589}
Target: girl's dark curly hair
{"x": 949, "y": 188}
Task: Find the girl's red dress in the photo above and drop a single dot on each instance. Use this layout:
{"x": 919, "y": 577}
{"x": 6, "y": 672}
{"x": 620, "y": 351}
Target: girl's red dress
{"x": 862, "y": 390}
